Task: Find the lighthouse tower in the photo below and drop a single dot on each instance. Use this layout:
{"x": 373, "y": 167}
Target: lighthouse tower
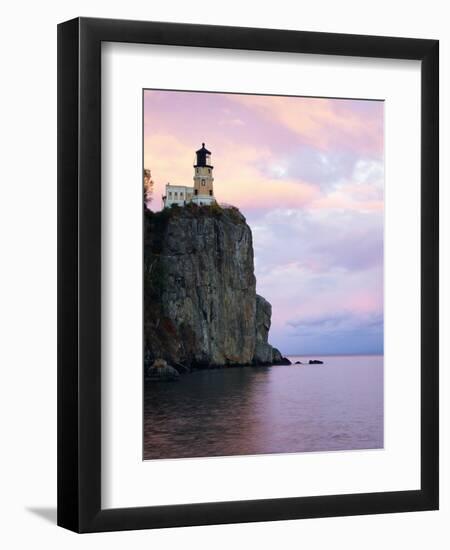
{"x": 203, "y": 178}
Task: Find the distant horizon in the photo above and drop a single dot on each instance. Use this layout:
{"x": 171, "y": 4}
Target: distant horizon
{"x": 308, "y": 174}
{"x": 366, "y": 354}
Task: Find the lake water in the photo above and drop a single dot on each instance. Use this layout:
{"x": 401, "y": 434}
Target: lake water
{"x": 261, "y": 410}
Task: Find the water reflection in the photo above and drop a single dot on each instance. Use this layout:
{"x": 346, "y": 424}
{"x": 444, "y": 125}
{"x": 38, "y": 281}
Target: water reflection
{"x": 277, "y": 409}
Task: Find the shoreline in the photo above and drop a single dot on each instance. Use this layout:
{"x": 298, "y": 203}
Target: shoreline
{"x": 166, "y": 372}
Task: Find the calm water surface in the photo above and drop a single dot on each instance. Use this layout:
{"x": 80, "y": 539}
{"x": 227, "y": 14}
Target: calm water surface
{"x": 260, "y": 410}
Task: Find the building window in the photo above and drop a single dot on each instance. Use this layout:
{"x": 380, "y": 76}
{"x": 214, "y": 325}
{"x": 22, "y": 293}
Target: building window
{"x": 196, "y": 191}
{"x": 210, "y": 192}
{"x": 203, "y": 182}
{"x": 181, "y": 195}
{"x": 170, "y": 194}
{"x": 176, "y": 194}
{"x": 209, "y": 170}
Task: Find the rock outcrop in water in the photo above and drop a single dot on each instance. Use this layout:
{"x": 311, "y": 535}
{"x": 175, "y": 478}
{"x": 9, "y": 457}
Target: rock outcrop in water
{"x": 200, "y": 303}
{"x": 160, "y": 371}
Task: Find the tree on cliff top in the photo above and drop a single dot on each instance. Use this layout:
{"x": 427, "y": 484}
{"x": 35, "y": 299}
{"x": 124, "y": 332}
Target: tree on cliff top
{"x": 148, "y": 187}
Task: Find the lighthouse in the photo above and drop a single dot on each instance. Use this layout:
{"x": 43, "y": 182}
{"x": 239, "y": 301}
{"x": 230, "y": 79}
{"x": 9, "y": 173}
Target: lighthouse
{"x": 203, "y": 178}
{"x": 202, "y": 193}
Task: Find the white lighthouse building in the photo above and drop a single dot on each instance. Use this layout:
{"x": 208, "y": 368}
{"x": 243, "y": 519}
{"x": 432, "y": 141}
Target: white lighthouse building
{"x": 202, "y": 193}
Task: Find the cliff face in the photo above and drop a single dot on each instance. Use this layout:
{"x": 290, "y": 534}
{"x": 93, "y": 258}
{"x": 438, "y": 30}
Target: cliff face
{"x": 263, "y": 350}
{"x": 200, "y": 302}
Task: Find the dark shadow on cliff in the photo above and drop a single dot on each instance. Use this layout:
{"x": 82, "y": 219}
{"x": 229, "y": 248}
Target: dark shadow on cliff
{"x": 45, "y": 513}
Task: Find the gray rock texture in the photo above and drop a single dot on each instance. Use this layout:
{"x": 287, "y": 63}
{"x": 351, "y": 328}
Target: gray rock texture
{"x": 200, "y": 301}
{"x": 264, "y": 352}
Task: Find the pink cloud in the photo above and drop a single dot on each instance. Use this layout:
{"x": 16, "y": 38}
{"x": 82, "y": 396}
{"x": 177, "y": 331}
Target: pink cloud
{"x": 323, "y": 123}
{"x": 339, "y": 200}
{"x": 237, "y": 180}
{"x": 317, "y": 232}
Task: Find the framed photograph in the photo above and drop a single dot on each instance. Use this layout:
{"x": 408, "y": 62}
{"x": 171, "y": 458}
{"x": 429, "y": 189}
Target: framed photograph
{"x": 248, "y": 275}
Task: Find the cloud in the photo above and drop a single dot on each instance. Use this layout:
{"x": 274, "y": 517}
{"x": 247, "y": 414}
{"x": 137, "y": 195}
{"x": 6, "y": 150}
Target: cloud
{"x": 260, "y": 161}
{"x": 231, "y": 122}
{"x": 308, "y": 174}
{"x": 345, "y": 181}
{"x": 340, "y": 322}
{"x": 319, "y": 265}
{"x": 325, "y": 124}
{"x": 338, "y": 332}
{"x": 319, "y": 240}
{"x": 237, "y": 179}
{"x": 310, "y": 164}
{"x": 330, "y": 312}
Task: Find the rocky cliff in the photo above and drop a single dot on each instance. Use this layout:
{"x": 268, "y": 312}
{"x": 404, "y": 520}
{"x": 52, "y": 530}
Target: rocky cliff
{"x": 200, "y": 301}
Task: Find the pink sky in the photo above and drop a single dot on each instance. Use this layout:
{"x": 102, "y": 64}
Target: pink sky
{"x": 308, "y": 173}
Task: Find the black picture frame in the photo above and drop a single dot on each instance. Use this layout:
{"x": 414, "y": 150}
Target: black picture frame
{"x": 79, "y": 274}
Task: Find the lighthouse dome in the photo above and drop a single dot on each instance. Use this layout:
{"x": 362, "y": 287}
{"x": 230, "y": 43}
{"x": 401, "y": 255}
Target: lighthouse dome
{"x": 203, "y": 157}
